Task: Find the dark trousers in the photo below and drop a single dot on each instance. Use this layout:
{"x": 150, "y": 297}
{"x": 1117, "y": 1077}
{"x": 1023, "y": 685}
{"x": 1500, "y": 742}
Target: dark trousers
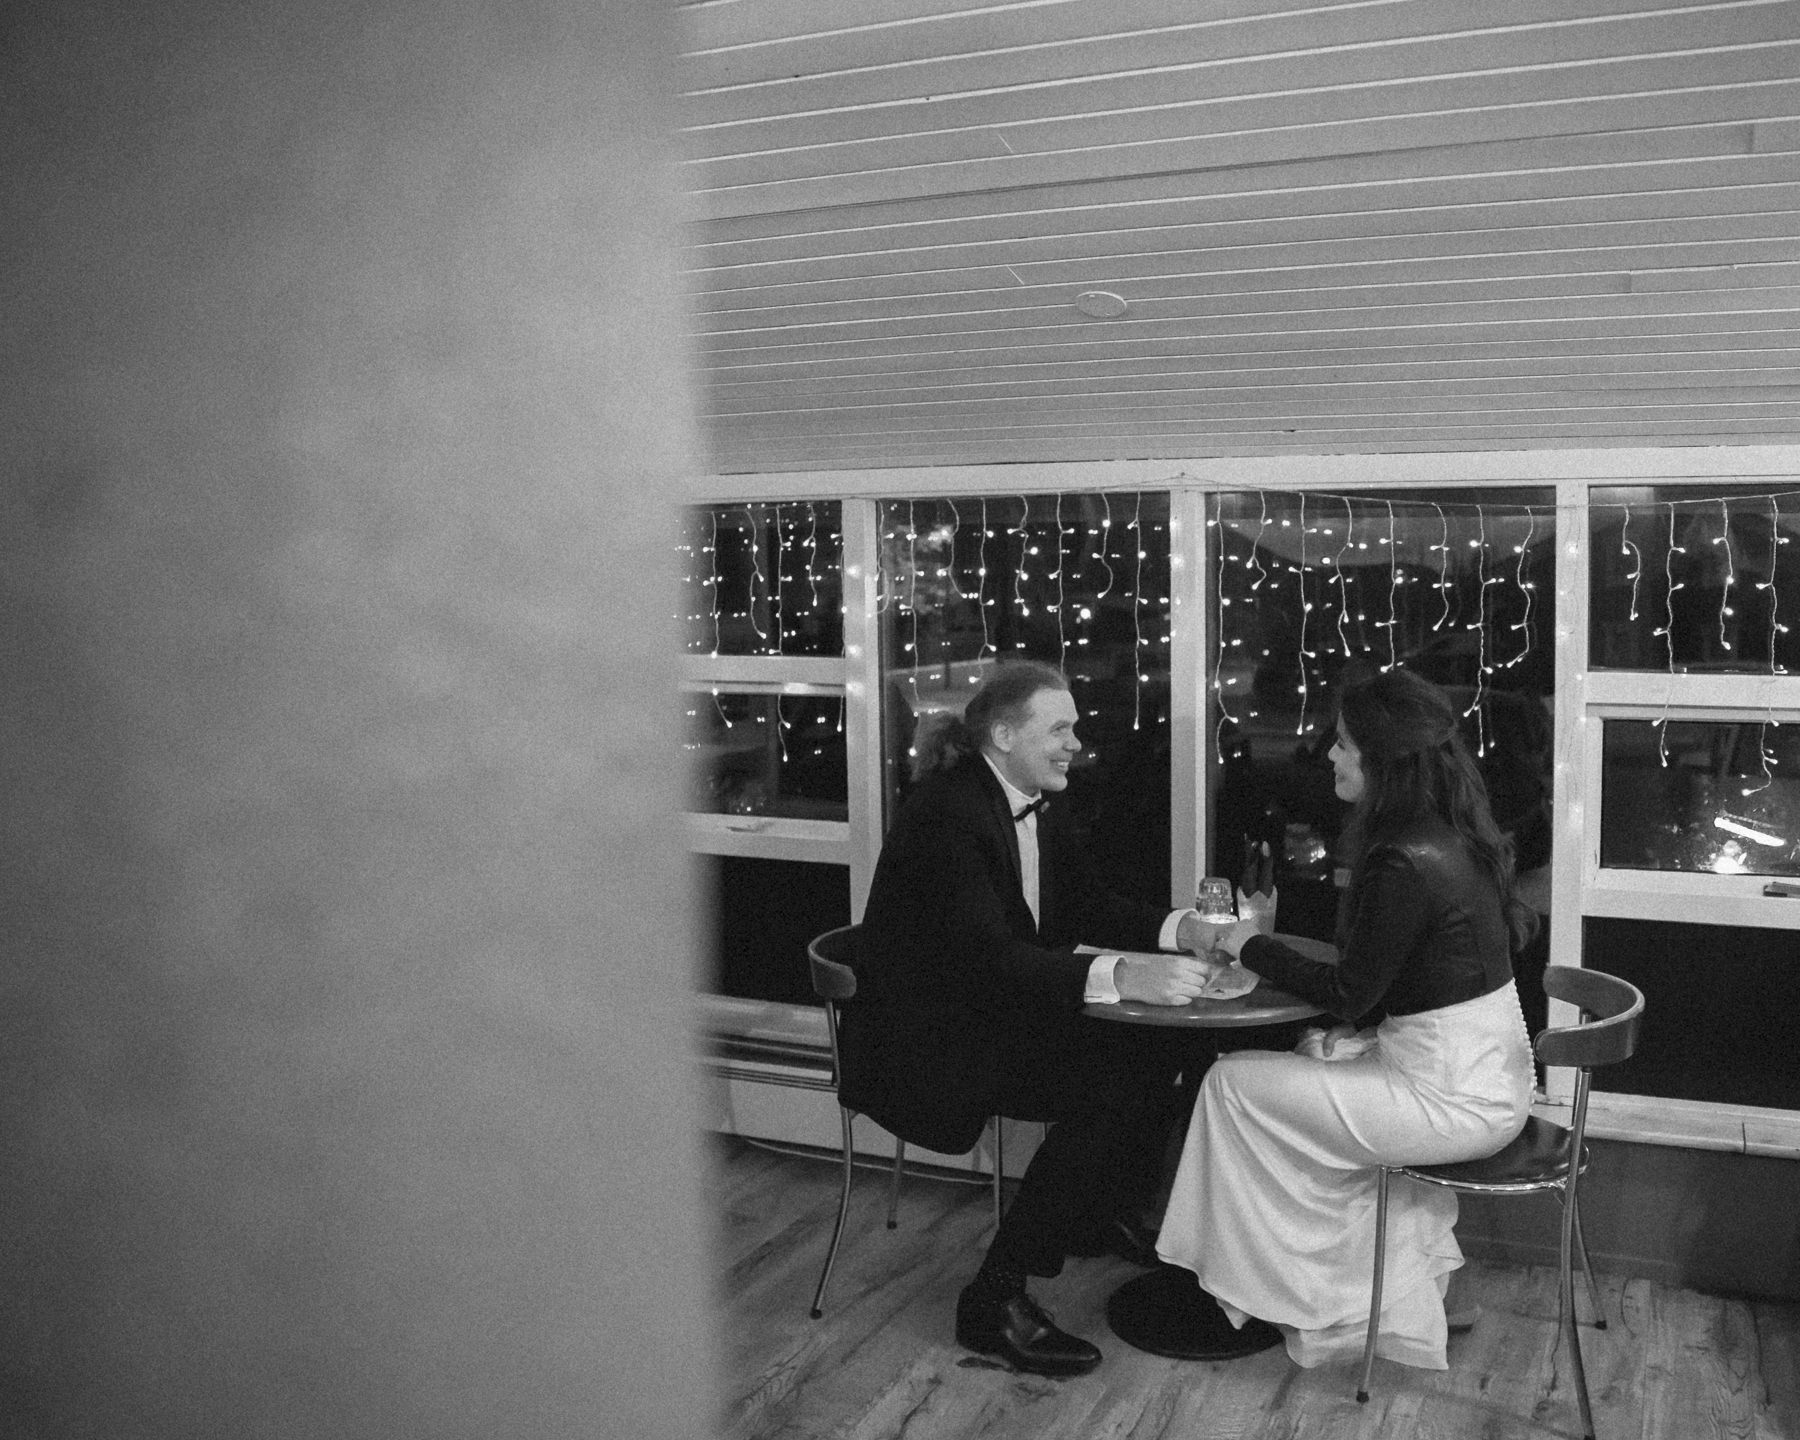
{"x": 1110, "y": 1091}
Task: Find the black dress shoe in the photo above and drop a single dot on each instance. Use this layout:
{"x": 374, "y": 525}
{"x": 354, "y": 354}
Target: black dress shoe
{"x": 1021, "y": 1334}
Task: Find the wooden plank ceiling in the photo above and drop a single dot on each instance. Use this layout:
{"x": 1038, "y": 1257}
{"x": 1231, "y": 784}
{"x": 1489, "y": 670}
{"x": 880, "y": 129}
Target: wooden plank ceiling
{"x": 1375, "y": 225}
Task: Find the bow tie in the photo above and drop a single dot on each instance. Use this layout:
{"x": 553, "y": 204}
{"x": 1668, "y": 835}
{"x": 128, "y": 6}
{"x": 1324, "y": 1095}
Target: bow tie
{"x": 1036, "y": 805}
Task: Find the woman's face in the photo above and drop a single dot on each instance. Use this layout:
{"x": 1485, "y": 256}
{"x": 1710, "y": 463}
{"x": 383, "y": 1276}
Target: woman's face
{"x": 1346, "y": 766}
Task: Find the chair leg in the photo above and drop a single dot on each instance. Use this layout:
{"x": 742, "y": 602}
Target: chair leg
{"x": 1381, "y": 1204}
{"x": 999, "y": 1169}
{"x": 894, "y": 1181}
{"x": 837, "y": 1230}
{"x": 1587, "y": 1269}
{"x": 1566, "y": 1313}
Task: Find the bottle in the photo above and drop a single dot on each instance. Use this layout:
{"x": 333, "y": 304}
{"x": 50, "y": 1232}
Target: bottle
{"x": 1247, "y": 884}
{"x": 1266, "y": 883}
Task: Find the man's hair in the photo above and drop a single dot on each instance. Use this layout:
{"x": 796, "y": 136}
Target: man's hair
{"x": 1415, "y": 763}
{"x": 1004, "y": 698}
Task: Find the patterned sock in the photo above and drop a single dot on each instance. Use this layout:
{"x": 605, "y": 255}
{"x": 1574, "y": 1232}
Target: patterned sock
{"x": 998, "y": 1279}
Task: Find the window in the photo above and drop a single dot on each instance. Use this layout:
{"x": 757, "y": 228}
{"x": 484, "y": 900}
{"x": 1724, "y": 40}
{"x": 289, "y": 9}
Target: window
{"x": 1080, "y": 582}
{"x": 770, "y": 736}
{"x": 764, "y": 579}
{"x": 1710, "y": 797}
{"x": 1689, "y": 753}
{"x": 1719, "y": 1005}
{"x": 778, "y": 753}
{"x": 1310, "y": 591}
{"x": 1692, "y": 579}
{"x": 1684, "y": 742}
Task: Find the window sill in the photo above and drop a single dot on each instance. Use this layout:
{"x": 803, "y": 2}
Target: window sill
{"x": 1685, "y": 1124}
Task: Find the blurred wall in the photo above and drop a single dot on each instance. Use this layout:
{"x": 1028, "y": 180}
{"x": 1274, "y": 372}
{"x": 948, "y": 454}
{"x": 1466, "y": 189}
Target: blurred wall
{"x": 347, "y": 945}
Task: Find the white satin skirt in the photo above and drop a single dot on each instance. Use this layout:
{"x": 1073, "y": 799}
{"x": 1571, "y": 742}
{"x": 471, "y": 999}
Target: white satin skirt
{"x": 1273, "y": 1206}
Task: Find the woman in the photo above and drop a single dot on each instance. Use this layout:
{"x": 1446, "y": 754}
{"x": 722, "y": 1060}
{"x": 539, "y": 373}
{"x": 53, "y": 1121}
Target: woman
{"x": 1273, "y": 1206}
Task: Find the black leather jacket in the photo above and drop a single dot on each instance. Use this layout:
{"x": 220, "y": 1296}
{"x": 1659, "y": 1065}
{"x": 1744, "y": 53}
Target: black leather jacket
{"x": 1421, "y": 927}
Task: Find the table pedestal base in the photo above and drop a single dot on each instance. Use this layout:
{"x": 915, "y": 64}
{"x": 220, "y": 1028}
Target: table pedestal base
{"x": 1167, "y": 1313}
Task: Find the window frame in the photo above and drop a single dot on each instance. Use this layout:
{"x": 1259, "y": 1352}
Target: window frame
{"x": 1579, "y": 886}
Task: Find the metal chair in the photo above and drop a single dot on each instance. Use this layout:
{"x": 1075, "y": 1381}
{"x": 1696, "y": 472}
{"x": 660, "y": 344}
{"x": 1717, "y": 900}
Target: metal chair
{"x": 834, "y": 982}
{"x": 1541, "y": 1157}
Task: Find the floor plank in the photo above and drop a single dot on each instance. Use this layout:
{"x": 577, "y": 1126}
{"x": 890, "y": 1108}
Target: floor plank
{"x": 883, "y": 1363}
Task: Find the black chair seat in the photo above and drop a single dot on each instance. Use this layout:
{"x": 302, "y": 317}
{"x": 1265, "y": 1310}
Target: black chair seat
{"x": 1540, "y": 1155}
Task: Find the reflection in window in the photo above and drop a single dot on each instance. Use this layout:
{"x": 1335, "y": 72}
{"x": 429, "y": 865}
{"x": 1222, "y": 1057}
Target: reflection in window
{"x": 767, "y": 754}
{"x": 764, "y": 578}
{"x": 1077, "y": 581}
{"x": 764, "y": 912}
{"x": 1721, "y": 797}
{"x": 1719, "y": 1004}
{"x": 1694, "y": 578}
{"x": 1314, "y": 590}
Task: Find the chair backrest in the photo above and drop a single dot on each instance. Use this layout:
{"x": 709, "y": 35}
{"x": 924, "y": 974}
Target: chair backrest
{"x": 1616, "y": 1007}
{"x": 830, "y": 955}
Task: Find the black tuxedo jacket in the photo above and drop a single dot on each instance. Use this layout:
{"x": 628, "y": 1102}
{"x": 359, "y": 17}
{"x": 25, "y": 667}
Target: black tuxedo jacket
{"x": 949, "y": 955}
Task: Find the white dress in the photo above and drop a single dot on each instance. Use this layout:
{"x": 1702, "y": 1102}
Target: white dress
{"x": 1273, "y": 1206}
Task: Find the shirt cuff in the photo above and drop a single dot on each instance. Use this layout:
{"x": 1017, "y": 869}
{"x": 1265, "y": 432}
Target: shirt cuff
{"x": 1100, "y": 988}
{"x": 1166, "y": 939}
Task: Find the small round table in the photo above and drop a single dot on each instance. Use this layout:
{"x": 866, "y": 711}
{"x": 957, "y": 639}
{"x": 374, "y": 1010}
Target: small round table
{"x": 1165, "y": 1312}
{"x": 1265, "y": 1005}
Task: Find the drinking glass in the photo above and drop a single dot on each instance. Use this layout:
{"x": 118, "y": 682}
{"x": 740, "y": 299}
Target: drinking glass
{"x": 1214, "y": 901}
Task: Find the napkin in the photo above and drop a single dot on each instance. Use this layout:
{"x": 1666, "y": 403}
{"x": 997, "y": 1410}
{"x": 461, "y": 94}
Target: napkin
{"x": 1258, "y": 907}
{"x": 1230, "y": 983}
{"x": 1345, "y": 1047}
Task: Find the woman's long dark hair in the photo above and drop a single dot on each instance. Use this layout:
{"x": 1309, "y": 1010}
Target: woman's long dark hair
{"x": 1003, "y": 698}
{"x": 1415, "y": 764}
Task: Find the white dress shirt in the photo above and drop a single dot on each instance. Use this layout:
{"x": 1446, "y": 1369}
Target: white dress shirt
{"x": 1100, "y": 983}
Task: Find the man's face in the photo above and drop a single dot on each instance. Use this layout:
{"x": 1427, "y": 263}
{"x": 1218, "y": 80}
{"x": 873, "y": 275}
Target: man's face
{"x": 1034, "y": 755}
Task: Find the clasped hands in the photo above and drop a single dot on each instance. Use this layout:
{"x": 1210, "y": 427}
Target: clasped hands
{"x": 1177, "y": 979}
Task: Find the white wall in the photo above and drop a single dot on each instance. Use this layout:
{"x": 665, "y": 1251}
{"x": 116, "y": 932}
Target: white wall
{"x": 346, "y": 941}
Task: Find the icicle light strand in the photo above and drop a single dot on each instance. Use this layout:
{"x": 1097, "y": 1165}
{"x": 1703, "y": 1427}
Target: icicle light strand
{"x": 981, "y": 600}
{"x": 1305, "y": 610}
{"x": 1480, "y": 627}
{"x": 756, "y": 577}
{"x": 1219, "y": 654}
{"x": 1725, "y": 610}
{"x": 1105, "y": 538}
{"x": 1443, "y": 549}
{"x": 1137, "y": 608}
{"x": 1062, "y": 643}
{"x": 1637, "y": 559}
{"x": 1343, "y": 587}
{"x": 713, "y": 549}
{"x": 1393, "y": 592}
{"x": 1525, "y": 587}
{"x": 1668, "y": 634}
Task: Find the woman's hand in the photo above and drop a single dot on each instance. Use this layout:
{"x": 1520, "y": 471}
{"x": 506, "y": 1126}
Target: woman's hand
{"x": 1233, "y": 940}
{"x": 1330, "y": 1039}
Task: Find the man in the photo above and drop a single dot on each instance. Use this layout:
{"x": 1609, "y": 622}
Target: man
{"x": 970, "y": 994}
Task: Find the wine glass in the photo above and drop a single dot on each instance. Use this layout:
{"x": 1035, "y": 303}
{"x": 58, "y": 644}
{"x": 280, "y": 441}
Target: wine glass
{"x": 1214, "y": 901}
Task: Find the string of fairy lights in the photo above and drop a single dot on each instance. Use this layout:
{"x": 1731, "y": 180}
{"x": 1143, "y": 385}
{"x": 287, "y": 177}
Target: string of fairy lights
{"x": 1039, "y": 576}
{"x": 792, "y": 607}
{"x": 1306, "y": 582}
{"x": 1362, "y": 561}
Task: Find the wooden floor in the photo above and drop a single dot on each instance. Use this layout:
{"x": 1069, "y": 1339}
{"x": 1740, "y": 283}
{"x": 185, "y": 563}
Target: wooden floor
{"x": 882, "y": 1364}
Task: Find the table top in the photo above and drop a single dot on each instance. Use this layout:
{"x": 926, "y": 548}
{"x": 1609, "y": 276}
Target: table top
{"x": 1265, "y": 1005}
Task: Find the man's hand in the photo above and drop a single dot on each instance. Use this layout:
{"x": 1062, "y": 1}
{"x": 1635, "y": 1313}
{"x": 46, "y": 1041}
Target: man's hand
{"x": 1161, "y": 979}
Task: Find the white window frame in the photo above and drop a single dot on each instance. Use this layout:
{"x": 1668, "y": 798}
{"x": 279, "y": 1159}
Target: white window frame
{"x": 1578, "y": 885}
{"x": 1582, "y": 887}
